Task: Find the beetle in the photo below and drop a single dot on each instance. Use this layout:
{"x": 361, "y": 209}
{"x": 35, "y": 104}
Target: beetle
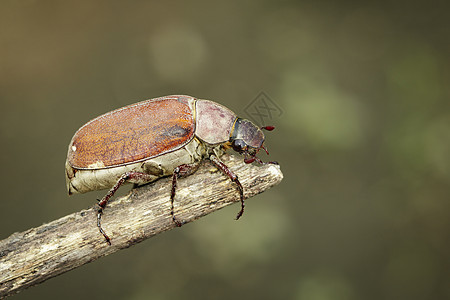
{"x": 166, "y": 136}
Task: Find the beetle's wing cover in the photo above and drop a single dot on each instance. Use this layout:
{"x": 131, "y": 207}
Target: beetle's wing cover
{"x": 133, "y": 133}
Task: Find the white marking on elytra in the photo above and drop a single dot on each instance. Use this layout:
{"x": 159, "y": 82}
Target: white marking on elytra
{"x": 97, "y": 165}
{"x": 74, "y": 148}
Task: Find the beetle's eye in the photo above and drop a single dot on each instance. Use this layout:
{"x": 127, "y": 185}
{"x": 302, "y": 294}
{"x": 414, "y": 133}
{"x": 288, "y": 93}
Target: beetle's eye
{"x": 238, "y": 145}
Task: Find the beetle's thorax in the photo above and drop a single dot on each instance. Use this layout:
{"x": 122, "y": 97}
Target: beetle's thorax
{"x": 213, "y": 122}
{"x": 219, "y": 129}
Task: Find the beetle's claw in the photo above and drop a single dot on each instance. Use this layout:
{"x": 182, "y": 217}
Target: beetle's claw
{"x": 107, "y": 239}
{"x": 99, "y": 225}
{"x": 240, "y": 213}
{"x": 178, "y": 223}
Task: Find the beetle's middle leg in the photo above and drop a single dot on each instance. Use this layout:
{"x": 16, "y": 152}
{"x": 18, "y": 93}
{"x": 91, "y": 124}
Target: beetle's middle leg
{"x": 102, "y": 203}
{"x": 181, "y": 170}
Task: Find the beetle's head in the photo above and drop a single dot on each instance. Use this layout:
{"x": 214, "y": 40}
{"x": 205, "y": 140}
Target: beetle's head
{"x": 247, "y": 139}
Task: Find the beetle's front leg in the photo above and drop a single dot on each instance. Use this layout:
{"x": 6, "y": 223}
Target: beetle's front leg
{"x": 102, "y": 203}
{"x": 181, "y": 170}
{"x": 223, "y": 167}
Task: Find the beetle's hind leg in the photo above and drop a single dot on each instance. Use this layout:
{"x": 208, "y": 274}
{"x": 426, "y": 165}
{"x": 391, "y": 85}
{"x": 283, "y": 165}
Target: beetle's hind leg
{"x": 180, "y": 171}
{"x": 138, "y": 176}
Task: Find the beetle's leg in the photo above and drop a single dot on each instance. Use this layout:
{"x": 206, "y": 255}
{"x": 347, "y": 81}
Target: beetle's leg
{"x": 102, "y": 203}
{"x": 219, "y": 164}
{"x": 181, "y": 170}
{"x": 249, "y": 159}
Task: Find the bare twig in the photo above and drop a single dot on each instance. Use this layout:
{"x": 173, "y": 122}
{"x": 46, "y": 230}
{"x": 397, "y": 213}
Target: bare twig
{"x": 33, "y": 256}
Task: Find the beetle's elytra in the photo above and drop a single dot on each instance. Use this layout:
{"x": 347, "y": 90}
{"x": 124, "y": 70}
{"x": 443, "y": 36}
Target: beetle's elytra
{"x": 159, "y": 137}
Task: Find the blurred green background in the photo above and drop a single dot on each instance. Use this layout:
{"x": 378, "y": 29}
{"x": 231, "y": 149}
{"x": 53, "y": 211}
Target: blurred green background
{"x": 363, "y": 140}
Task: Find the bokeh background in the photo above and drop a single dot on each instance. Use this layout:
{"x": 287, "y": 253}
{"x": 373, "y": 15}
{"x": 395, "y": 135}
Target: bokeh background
{"x": 363, "y": 140}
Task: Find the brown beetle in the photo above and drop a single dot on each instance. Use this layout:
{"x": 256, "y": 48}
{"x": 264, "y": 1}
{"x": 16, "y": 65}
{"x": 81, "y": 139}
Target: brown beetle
{"x": 159, "y": 137}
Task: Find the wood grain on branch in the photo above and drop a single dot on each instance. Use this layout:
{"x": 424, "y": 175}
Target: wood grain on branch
{"x": 33, "y": 256}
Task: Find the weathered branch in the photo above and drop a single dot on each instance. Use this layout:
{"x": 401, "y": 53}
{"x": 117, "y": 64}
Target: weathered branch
{"x": 33, "y": 256}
